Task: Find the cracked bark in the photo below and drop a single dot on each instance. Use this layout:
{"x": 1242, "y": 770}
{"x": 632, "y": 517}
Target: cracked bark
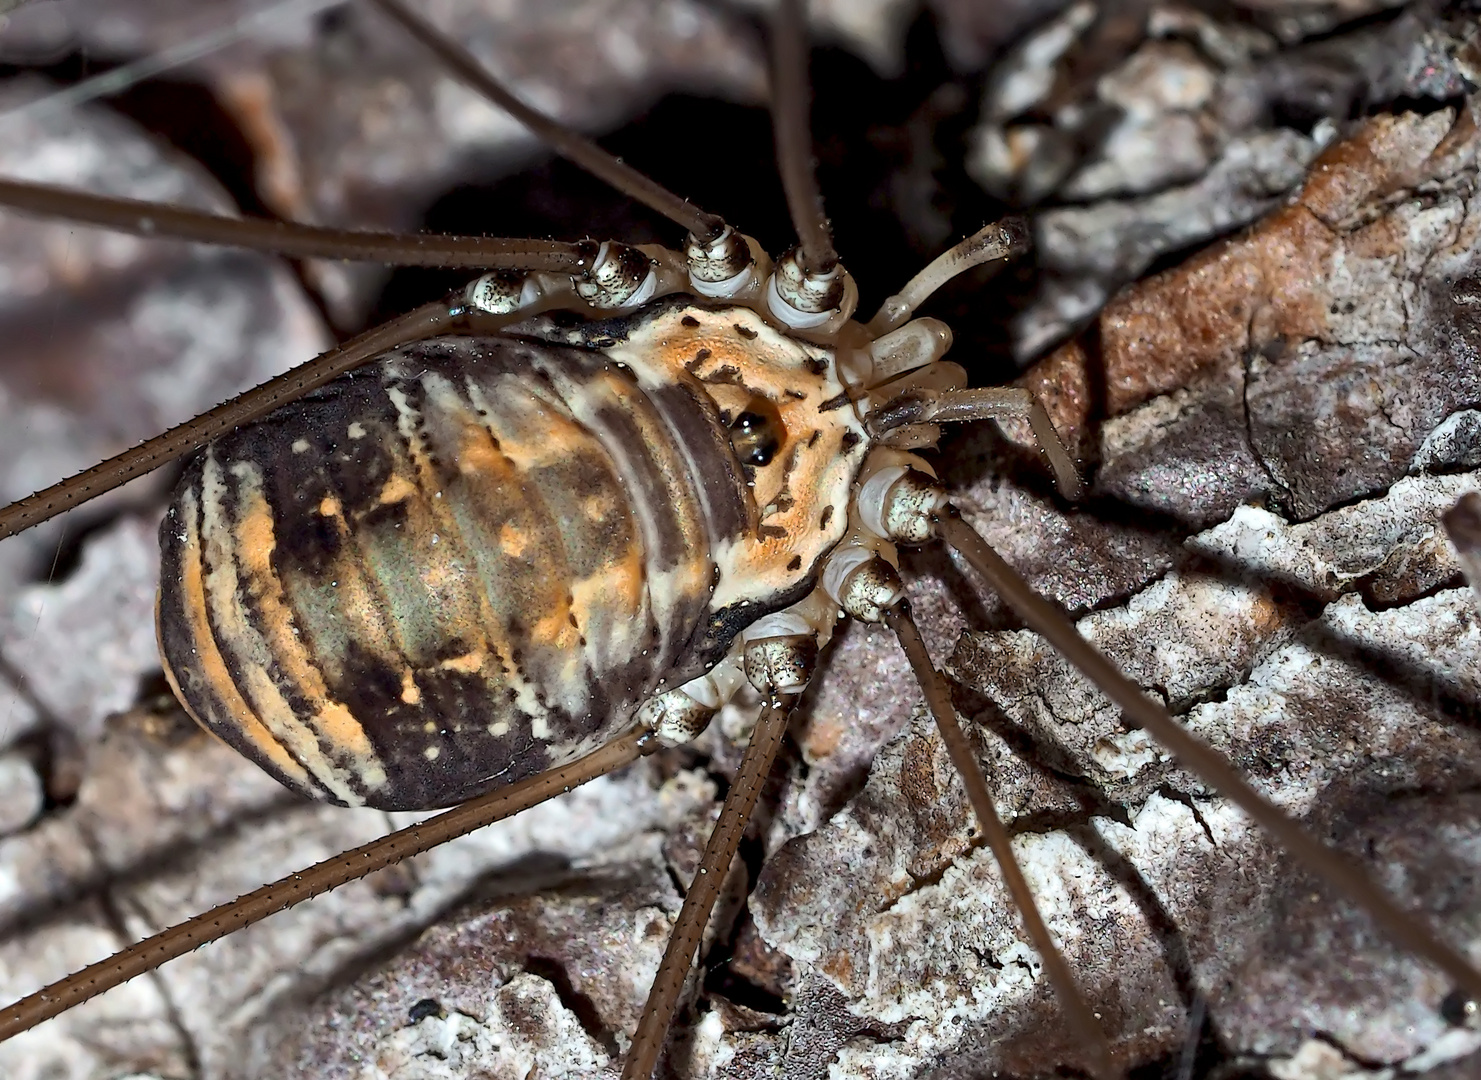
{"x": 903, "y": 824}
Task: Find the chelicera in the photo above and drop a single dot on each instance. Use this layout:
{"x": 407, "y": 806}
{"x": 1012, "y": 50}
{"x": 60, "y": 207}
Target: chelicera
{"x": 886, "y": 384}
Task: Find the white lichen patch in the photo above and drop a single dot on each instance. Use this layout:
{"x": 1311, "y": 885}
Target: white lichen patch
{"x": 1123, "y": 754}
{"x": 951, "y": 958}
{"x": 1455, "y": 443}
{"x": 1306, "y": 700}
{"x": 1392, "y": 540}
{"x": 1307, "y": 695}
{"x": 713, "y": 1050}
{"x": 528, "y": 1032}
{"x": 1186, "y": 637}
{"x": 21, "y": 794}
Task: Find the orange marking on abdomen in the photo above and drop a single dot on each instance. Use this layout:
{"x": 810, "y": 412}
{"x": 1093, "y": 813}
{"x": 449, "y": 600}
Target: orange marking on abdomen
{"x": 332, "y": 720}
{"x": 554, "y": 628}
{"x": 212, "y": 665}
{"x": 397, "y": 489}
{"x": 512, "y": 541}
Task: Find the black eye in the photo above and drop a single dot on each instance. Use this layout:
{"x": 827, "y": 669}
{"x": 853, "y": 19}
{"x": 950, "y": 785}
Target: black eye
{"x": 754, "y": 437}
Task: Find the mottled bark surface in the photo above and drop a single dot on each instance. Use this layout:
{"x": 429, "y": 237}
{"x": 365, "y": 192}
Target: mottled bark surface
{"x": 1273, "y": 425}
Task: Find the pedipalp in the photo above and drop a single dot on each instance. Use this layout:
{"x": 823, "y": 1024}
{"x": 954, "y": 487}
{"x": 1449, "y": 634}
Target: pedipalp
{"x": 951, "y": 406}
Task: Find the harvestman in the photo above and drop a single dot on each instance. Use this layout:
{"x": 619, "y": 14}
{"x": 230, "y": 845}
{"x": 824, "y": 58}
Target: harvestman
{"x": 910, "y": 511}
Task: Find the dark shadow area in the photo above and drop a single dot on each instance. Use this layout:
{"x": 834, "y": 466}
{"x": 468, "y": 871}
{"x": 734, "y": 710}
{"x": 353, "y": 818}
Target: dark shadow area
{"x": 889, "y": 164}
{"x": 580, "y": 1005}
{"x": 528, "y": 874}
{"x": 180, "y": 112}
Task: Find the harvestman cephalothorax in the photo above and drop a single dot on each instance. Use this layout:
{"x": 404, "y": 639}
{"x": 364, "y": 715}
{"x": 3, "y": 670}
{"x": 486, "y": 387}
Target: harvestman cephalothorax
{"x": 918, "y": 409}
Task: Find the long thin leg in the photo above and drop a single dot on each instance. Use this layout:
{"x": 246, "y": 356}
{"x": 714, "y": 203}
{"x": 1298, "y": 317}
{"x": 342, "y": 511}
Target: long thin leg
{"x": 1044, "y": 619}
{"x": 424, "y": 322}
{"x": 291, "y": 238}
{"x": 938, "y": 700}
{"x": 330, "y": 874}
{"x": 678, "y": 956}
{"x": 575, "y": 147}
{"x": 790, "y": 102}
{"x": 1010, "y": 403}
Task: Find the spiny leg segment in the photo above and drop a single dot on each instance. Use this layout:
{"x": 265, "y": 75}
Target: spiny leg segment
{"x": 424, "y": 322}
{"x": 869, "y": 590}
{"x": 703, "y": 228}
{"x": 791, "y": 102}
{"x": 710, "y": 243}
{"x": 1210, "y": 766}
{"x": 1060, "y": 632}
{"x": 719, "y": 853}
{"x": 290, "y": 238}
{"x": 938, "y": 700}
{"x": 320, "y": 878}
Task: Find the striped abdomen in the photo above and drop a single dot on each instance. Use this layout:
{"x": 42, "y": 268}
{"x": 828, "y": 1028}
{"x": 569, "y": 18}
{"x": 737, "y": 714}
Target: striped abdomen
{"x": 465, "y": 563}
